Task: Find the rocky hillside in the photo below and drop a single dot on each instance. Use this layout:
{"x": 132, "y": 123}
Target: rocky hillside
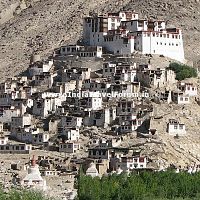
{"x": 27, "y": 26}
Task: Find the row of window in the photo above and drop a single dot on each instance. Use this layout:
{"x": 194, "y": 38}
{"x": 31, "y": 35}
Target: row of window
{"x": 182, "y": 99}
{"x": 180, "y": 126}
{"x": 88, "y": 54}
{"x": 170, "y": 44}
{"x": 69, "y": 146}
{"x": 108, "y": 39}
{"x": 5, "y": 95}
{"x": 12, "y": 147}
{"x": 163, "y": 35}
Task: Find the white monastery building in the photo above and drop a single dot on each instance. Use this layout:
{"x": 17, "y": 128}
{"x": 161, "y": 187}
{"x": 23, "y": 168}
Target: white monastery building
{"x": 123, "y": 33}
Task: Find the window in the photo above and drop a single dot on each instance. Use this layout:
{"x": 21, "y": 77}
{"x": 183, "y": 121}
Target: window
{"x": 175, "y": 126}
{"x": 112, "y": 25}
{"x": 181, "y": 126}
{"x": 186, "y": 99}
{"x": 69, "y": 145}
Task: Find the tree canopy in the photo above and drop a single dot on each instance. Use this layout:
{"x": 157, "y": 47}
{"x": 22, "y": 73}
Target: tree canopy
{"x": 143, "y": 186}
{"x": 183, "y": 71}
{"x": 21, "y": 195}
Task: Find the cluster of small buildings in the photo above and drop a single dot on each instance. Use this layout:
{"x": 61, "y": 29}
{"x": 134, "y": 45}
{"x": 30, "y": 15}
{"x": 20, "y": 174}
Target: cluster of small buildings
{"x": 51, "y": 100}
{"x": 107, "y": 156}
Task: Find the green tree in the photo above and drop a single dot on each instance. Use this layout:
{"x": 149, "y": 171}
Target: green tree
{"x": 183, "y": 71}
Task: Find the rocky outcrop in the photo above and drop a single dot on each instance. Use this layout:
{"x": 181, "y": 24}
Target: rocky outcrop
{"x": 11, "y": 8}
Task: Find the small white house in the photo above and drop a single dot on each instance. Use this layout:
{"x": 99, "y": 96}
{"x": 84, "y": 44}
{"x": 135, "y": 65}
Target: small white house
{"x": 45, "y": 107}
{"x": 30, "y": 135}
{"x": 100, "y": 118}
{"x": 69, "y": 147}
{"x": 3, "y": 140}
{"x": 71, "y": 133}
{"x": 7, "y": 114}
{"x": 180, "y": 98}
{"x": 45, "y": 79}
{"x": 71, "y": 121}
{"x": 75, "y": 74}
{"x": 188, "y": 88}
{"x": 64, "y": 88}
{"x": 130, "y": 163}
{"x": 175, "y": 128}
{"x": 125, "y": 107}
{"x": 40, "y": 67}
{"x": 91, "y": 103}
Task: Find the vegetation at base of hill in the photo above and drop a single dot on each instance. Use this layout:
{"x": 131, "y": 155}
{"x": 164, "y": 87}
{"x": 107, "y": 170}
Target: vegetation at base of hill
{"x": 21, "y": 195}
{"x": 142, "y": 186}
{"x": 183, "y": 71}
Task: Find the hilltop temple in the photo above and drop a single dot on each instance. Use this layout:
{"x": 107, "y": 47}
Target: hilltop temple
{"x": 124, "y": 33}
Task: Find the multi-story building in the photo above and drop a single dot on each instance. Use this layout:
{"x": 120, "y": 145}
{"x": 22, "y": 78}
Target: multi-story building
{"x": 123, "y": 33}
{"x": 149, "y": 76}
{"x": 188, "y": 88}
{"x": 130, "y": 163}
{"x": 69, "y": 147}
